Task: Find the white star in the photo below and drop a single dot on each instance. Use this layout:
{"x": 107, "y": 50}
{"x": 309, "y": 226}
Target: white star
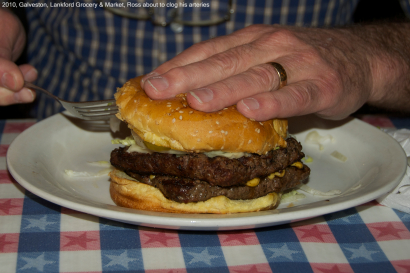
{"x": 345, "y": 219}
{"x": 39, "y": 223}
{"x": 283, "y": 251}
{"x": 204, "y": 256}
{"x": 405, "y": 216}
{"x": 361, "y": 252}
{"x": 37, "y": 263}
{"x": 122, "y": 259}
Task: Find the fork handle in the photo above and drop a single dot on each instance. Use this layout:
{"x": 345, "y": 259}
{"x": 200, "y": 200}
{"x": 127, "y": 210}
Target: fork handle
{"x": 35, "y": 87}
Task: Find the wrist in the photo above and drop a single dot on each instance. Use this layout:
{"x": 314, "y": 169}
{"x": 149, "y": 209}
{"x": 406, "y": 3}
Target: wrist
{"x": 389, "y": 59}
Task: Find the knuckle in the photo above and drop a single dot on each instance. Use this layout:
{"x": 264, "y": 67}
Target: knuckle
{"x": 227, "y": 90}
{"x": 302, "y": 95}
{"x": 178, "y": 77}
{"x": 176, "y": 73}
{"x": 204, "y": 48}
{"x": 282, "y": 35}
{"x": 329, "y": 86}
{"x": 264, "y": 76}
{"x": 311, "y": 55}
{"x": 224, "y": 62}
{"x": 272, "y": 107}
{"x": 253, "y": 28}
{"x": 233, "y": 61}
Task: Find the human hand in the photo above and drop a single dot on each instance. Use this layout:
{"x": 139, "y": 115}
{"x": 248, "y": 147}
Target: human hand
{"x": 328, "y": 73}
{"x": 12, "y": 77}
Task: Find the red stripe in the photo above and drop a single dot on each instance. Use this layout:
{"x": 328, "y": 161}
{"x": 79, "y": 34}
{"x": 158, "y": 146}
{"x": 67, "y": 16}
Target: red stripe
{"x": 6, "y": 178}
{"x": 17, "y": 127}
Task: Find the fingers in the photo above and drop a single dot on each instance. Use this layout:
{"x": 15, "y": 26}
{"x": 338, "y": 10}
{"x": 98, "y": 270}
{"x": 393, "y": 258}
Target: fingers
{"x": 8, "y": 97}
{"x": 213, "y": 69}
{"x": 292, "y": 100}
{"x": 205, "y": 49}
{"x": 195, "y": 53}
{"x": 257, "y": 79}
{"x": 12, "y": 80}
{"x": 204, "y": 63}
{"x": 10, "y": 75}
{"x": 29, "y": 72}
{"x": 233, "y": 70}
{"x": 256, "y": 95}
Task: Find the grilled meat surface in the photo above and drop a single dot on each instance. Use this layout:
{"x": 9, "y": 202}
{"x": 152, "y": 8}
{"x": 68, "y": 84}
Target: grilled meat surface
{"x": 186, "y": 190}
{"x": 217, "y": 171}
{"x": 196, "y": 177}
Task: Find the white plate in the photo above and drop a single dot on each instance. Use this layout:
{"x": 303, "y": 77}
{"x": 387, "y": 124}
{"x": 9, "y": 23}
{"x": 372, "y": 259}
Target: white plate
{"x": 38, "y": 157}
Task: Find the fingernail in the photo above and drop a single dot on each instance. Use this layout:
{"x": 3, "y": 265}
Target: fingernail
{"x": 251, "y": 103}
{"x": 8, "y": 81}
{"x": 149, "y": 75}
{"x": 203, "y": 95}
{"x": 158, "y": 83}
{"x": 23, "y": 96}
{"x": 31, "y": 75}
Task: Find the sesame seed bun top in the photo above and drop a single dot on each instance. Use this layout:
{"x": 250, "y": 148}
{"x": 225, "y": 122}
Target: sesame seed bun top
{"x": 172, "y": 123}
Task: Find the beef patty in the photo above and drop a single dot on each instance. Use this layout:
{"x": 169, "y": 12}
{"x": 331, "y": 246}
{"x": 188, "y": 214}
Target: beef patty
{"x": 186, "y": 190}
{"x": 217, "y": 171}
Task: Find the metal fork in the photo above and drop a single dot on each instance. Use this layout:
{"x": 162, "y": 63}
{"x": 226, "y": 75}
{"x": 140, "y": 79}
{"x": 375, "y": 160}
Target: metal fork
{"x": 88, "y": 110}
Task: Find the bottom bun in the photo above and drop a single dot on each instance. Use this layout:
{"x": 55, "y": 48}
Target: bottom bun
{"x": 127, "y": 192}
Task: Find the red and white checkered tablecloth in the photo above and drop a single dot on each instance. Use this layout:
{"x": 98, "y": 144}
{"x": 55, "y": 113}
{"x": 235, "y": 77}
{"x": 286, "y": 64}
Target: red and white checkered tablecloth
{"x": 39, "y": 236}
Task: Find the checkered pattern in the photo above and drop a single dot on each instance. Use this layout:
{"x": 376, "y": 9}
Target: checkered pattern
{"x": 38, "y": 236}
{"x": 86, "y": 53}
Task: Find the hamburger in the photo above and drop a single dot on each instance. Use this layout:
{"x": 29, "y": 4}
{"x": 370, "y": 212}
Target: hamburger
{"x": 181, "y": 160}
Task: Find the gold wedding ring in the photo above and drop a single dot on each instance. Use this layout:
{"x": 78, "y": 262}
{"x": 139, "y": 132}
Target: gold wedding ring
{"x": 283, "y": 78}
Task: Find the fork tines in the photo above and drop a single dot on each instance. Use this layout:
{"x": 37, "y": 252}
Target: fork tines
{"x": 97, "y": 112}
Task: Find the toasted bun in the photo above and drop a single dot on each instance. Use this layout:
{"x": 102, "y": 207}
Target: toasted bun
{"x": 128, "y": 192}
{"x": 172, "y": 123}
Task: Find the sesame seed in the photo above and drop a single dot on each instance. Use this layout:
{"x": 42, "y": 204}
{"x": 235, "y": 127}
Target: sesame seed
{"x": 258, "y": 130}
{"x": 261, "y": 123}
{"x": 173, "y": 120}
{"x": 181, "y": 112}
{"x": 226, "y": 132}
{"x": 210, "y": 132}
{"x": 252, "y": 119}
{"x": 217, "y": 122}
{"x": 220, "y": 113}
{"x": 184, "y": 105}
{"x": 180, "y": 117}
{"x": 250, "y": 141}
{"x": 191, "y": 112}
{"x": 199, "y": 140}
{"x": 178, "y": 108}
{"x": 222, "y": 131}
{"x": 169, "y": 105}
{"x": 135, "y": 100}
{"x": 169, "y": 102}
{"x": 225, "y": 108}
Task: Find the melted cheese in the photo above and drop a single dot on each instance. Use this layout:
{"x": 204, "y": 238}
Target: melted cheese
{"x": 133, "y": 147}
{"x": 253, "y": 182}
{"x": 298, "y": 165}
